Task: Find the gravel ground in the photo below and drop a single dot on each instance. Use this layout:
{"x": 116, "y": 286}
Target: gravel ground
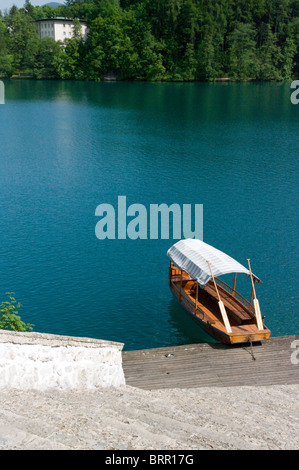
{"x": 128, "y": 418}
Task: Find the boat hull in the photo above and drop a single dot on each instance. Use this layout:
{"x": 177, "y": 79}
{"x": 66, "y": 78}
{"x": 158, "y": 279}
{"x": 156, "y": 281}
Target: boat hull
{"x": 241, "y": 333}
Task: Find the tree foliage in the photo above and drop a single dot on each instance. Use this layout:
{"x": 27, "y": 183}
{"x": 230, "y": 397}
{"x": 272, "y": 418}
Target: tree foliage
{"x": 9, "y": 318}
{"x": 181, "y": 40}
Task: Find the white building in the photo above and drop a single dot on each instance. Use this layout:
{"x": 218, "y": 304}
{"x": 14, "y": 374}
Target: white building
{"x": 59, "y": 28}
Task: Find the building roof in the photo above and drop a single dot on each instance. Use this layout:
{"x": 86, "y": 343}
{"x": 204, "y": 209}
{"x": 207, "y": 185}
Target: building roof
{"x": 60, "y": 18}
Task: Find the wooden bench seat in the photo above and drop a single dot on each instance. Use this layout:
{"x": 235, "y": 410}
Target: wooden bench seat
{"x": 241, "y": 312}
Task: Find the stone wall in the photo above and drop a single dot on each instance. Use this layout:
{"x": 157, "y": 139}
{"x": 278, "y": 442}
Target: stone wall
{"x": 41, "y": 361}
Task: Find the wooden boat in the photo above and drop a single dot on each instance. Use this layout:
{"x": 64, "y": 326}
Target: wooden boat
{"x": 218, "y": 308}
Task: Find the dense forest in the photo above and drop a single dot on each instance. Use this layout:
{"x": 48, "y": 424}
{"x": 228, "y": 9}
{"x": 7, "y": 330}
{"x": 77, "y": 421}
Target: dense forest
{"x": 170, "y": 40}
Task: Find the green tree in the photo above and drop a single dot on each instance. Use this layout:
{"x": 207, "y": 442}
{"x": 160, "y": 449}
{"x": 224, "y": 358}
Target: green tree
{"x": 6, "y": 59}
{"x": 288, "y": 55}
{"x": 22, "y": 30}
{"x": 158, "y": 40}
{"x": 269, "y": 57}
{"x": 243, "y": 62}
{"x": 209, "y": 66}
{"x": 28, "y": 8}
{"x": 31, "y": 52}
{"x": 44, "y": 61}
{"x": 6, "y": 65}
{"x": 105, "y": 42}
{"x": 9, "y": 318}
{"x": 293, "y": 35}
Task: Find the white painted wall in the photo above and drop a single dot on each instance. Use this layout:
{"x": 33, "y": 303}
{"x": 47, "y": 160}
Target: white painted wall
{"x": 41, "y": 361}
{"x": 59, "y": 29}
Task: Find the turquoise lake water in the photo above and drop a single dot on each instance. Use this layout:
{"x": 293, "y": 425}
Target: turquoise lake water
{"x": 67, "y": 147}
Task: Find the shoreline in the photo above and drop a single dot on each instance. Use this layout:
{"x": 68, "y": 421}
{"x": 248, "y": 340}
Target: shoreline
{"x": 220, "y": 81}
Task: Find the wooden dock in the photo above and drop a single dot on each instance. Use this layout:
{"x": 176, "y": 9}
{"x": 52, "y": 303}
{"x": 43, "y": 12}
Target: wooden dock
{"x": 214, "y": 365}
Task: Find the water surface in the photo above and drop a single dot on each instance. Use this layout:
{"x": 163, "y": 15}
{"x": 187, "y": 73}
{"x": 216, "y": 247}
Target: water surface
{"x": 67, "y": 147}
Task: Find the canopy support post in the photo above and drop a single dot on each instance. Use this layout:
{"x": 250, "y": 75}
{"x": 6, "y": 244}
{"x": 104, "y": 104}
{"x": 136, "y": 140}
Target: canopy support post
{"x": 256, "y": 304}
{"x": 234, "y": 288}
{"x": 221, "y": 304}
{"x": 181, "y": 285}
{"x": 196, "y": 298}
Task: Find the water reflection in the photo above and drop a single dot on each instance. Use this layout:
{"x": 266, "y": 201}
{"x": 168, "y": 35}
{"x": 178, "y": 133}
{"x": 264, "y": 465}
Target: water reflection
{"x": 184, "y": 328}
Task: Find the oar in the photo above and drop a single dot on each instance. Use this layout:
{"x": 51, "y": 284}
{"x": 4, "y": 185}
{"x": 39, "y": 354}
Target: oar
{"x": 256, "y": 304}
{"x": 221, "y": 305}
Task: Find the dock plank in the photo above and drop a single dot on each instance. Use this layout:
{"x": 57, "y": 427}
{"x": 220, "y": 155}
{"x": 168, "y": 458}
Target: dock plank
{"x": 204, "y": 365}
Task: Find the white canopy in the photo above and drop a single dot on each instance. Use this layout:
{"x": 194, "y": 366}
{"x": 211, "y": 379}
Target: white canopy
{"x": 191, "y": 255}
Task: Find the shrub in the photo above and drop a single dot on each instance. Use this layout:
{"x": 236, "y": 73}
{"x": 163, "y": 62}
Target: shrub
{"x": 9, "y": 318}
